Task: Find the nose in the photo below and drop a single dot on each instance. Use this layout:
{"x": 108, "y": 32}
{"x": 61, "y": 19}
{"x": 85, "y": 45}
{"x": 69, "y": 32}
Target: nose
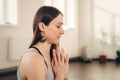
{"x": 61, "y": 31}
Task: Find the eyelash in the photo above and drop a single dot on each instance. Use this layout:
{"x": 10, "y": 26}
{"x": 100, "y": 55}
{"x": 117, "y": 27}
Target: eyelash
{"x": 58, "y": 27}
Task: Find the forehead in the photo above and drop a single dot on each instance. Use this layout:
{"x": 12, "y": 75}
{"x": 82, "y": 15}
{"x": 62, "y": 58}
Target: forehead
{"x": 57, "y": 20}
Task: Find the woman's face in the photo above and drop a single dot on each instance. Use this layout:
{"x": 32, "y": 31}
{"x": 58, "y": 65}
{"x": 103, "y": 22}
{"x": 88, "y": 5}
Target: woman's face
{"x": 54, "y": 30}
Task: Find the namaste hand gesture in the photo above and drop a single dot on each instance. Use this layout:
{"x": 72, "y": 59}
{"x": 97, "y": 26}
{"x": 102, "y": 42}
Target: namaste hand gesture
{"x": 60, "y": 64}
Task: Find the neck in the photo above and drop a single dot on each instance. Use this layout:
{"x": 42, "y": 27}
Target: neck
{"x": 44, "y": 48}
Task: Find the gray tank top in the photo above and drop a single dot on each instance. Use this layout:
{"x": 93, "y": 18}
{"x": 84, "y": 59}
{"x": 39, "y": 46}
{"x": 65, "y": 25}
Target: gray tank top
{"x": 49, "y": 76}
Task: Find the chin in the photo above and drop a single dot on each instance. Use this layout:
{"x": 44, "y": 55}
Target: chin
{"x": 54, "y": 42}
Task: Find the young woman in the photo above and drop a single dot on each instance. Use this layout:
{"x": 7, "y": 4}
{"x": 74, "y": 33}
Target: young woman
{"x": 44, "y": 60}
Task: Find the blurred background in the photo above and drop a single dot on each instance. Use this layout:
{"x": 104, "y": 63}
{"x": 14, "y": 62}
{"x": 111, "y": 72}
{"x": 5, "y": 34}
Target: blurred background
{"x": 92, "y": 29}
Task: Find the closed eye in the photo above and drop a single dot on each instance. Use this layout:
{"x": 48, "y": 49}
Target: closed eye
{"x": 58, "y": 26}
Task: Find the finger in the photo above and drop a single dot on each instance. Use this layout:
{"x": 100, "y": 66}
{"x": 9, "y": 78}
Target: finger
{"x": 54, "y": 56}
{"x": 58, "y": 54}
{"x": 62, "y": 55}
{"x": 67, "y": 59}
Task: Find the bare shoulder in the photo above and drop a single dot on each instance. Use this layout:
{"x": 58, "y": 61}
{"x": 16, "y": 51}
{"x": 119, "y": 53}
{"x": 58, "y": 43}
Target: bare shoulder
{"x": 33, "y": 65}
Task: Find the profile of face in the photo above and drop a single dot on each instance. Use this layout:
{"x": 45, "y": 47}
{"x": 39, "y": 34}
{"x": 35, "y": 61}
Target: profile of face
{"x": 54, "y": 30}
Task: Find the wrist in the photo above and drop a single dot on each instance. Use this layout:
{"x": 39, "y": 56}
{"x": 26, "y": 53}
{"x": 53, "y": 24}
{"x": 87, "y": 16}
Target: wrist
{"x": 59, "y": 78}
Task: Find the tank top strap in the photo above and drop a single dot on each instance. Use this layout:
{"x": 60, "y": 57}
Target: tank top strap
{"x": 41, "y": 55}
{"x": 38, "y": 51}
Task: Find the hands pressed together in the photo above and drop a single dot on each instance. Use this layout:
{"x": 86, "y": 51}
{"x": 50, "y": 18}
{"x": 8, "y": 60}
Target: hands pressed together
{"x": 60, "y": 64}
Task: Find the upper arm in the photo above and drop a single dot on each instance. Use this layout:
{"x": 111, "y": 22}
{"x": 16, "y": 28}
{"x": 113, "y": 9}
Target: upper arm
{"x": 34, "y": 67}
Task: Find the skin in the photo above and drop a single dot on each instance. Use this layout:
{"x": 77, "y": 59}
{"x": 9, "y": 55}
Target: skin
{"x": 32, "y": 65}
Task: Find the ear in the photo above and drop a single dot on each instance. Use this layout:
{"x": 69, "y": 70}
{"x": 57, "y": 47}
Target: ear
{"x": 42, "y": 26}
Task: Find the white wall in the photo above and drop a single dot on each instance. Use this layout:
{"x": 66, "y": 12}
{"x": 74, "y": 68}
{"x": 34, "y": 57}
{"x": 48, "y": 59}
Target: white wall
{"x": 107, "y": 17}
{"x": 85, "y": 28}
{"x": 75, "y": 40}
{"x": 26, "y": 10}
{"x": 71, "y": 39}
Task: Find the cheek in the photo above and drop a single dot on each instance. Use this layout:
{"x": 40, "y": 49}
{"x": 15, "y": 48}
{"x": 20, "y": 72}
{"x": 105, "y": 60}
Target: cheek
{"x": 52, "y": 37}
{"x": 50, "y": 34}
{"x": 53, "y": 32}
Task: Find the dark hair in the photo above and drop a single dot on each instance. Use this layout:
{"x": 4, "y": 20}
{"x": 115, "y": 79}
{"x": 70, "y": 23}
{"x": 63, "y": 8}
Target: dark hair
{"x": 44, "y": 14}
